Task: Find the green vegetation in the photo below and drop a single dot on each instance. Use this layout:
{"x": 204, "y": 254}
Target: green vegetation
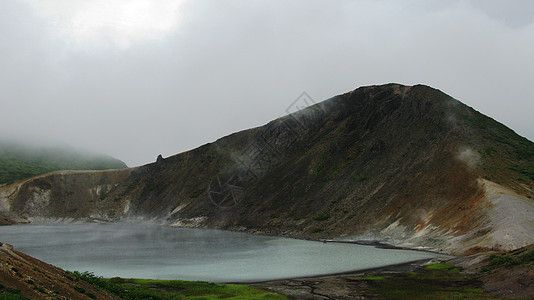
{"x": 174, "y": 289}
{"x": 436, "y": 281}
{"x": 481, "y": 121}
{"x": 321, "y": 218}
{"x": 504, "y": 152}
{"x": 39, "y": 289}
{"x": 507, "y": 260}
{"x": 529, "y": 172}
{"x": 360, "y": 178}
{"x": 13, "y": 290}
{"x": 19, "y": 161}
{"x": 16, "y": 272}
{"x": 440, "y": 266}
{"x": 504, "y": 261}
{"x": 8, "y": 296}
{"x": 79, "y": 289}
{"x": 373, "y": 278}
{"x": 196, "y": 193}
{"x": 10, "y": 293}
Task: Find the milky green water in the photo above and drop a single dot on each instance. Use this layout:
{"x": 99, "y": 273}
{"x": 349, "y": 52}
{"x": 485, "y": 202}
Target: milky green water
{"x": 160, "y": 252}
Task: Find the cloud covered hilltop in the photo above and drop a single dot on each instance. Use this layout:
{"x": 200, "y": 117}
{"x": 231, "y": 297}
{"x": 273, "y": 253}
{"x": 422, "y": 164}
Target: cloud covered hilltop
{"x": 20, "y": 160}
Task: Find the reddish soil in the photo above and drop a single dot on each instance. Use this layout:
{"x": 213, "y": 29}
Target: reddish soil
{"x": 34, "y": 279}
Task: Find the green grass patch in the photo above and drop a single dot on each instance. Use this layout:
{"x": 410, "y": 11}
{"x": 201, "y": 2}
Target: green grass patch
{"x": 527, "y": 257}
{"x": 13, "y": 290}
{"x": 507, "y": 260}
{"x": 321, "y": 218}
{"x": 440, "y": 266}
{"x": 8, "y": 296}
{"x": 435, "y": 281}
{"x": 319, "y": 169}
{"x": 175, "y": 289}
{"x": 496, "y": 260}
{"x": 374, "y": 278}
{"x": 529, "y": 172}
{"x": 335, "y": 173}
{"x": 39, "y": 289}
{"x": 360, "y": 178}
{"x": 196, "y": 193}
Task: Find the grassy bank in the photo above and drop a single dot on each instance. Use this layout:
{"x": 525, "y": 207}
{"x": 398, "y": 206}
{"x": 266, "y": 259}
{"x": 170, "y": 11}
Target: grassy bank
{"x": 11, "y": 296}
{"x": 435, "y": 281}
{"x": 174, "y": 289}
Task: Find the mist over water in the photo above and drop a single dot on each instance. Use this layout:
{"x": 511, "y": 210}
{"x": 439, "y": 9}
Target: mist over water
{"x": 160, "y": 252}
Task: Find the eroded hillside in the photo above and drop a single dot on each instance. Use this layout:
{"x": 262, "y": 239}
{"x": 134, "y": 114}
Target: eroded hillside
{"x": 408, "y": 164}
{"x": 23, "y": 275}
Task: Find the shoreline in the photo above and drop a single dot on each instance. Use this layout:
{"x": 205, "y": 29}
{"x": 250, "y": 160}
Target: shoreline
{"x": 393, "y": 268}
{"x": 383, "y": 245}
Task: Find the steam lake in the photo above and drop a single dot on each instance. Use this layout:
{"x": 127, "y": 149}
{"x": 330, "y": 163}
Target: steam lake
{"x": 132, "y": 250}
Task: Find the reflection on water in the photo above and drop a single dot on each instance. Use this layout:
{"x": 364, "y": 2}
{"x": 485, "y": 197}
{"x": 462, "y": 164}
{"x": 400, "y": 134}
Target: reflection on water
{"x": 150, "y": 251}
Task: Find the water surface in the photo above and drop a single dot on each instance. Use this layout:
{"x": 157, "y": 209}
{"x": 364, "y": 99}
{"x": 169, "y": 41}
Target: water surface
{"x": 133, "y": 250}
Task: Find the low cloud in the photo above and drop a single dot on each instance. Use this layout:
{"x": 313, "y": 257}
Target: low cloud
{"x": 117, "y": 21}
{"x": 153, "y": 79}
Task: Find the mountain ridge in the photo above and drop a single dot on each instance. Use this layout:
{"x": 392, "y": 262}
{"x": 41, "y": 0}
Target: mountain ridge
{"x": 410, "y": 165}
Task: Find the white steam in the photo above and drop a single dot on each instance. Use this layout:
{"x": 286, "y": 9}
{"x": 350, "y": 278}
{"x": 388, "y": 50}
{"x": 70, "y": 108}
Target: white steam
{"x": 468, "y": 156}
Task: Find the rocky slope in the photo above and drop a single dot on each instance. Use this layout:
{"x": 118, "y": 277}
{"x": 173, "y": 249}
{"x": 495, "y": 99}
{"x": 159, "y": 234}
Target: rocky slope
{"x": 26, "y": 276}
{"x": 64, "y": 195}
{"x": 409, "y": 165}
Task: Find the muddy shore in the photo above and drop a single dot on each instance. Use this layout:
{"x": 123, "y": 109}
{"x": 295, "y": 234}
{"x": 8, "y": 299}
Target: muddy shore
{"x": 346, "y": 285}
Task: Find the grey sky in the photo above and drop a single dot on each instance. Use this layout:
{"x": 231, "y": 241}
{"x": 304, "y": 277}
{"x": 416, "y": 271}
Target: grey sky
{"x": 135, "y": 89}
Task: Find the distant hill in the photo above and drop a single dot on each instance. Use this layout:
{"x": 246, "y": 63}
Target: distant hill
{"x": 19, "y": 160}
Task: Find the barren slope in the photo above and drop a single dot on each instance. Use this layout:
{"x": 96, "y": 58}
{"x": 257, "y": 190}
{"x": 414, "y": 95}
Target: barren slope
{"x": 409, "y": 164}
{"x": 24, "y": 275}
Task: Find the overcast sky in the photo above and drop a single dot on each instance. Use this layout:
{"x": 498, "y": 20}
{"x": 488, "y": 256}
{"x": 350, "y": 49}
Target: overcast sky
{"x": 136, "y": 78}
